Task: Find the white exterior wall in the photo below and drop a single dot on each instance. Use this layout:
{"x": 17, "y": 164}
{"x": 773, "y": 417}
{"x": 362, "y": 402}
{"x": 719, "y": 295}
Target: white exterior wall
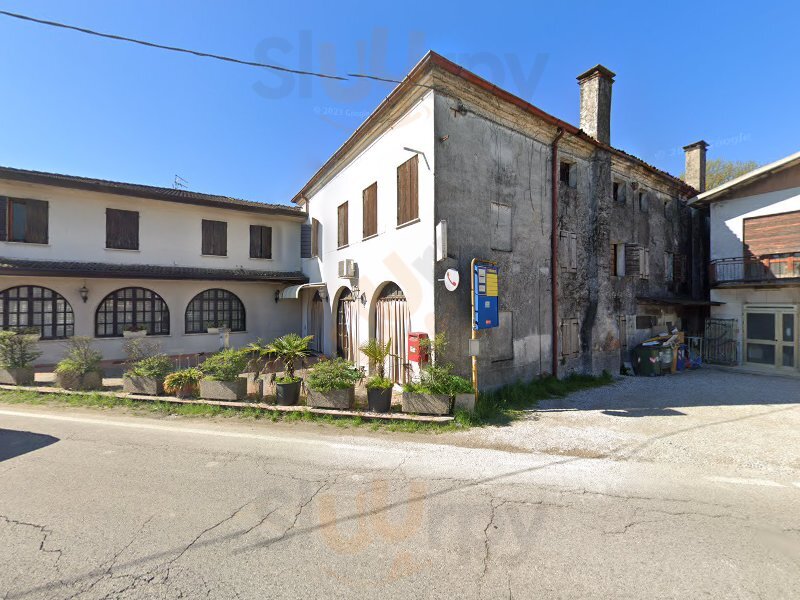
{"x": 727, "y": 217}
{"x": 170, "y": 233}
{"x": 264, "y": 318}
{"x": 404, "y": 255}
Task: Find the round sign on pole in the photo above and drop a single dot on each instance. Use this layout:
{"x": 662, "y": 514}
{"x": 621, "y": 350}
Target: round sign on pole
{"x": 451, "y": 279}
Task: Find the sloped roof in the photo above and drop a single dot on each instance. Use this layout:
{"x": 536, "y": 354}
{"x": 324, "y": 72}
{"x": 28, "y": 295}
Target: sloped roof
{"x": 147, "y": 191}
{"x": 431, "y": 60}
{"x": 725, "y": 189}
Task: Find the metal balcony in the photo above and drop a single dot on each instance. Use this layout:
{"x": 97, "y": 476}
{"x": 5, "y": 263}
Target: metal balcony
{"x": 771, "y": 269}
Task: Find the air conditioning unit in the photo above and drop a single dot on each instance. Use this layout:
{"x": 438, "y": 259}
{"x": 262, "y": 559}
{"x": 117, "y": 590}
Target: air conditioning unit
{"x": 347, "y": 268}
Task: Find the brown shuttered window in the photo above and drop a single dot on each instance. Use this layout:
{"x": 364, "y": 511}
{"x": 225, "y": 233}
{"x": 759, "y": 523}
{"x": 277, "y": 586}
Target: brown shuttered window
{"x": 341, "y": 236}
{"x": 122, "y": 229}
{"x": 314, "y": 238}
{"x": 25, "y": 220}
{"x": 260, "y": 241}
{"x": 772, "y": 234}
{"x": 370, "y": 226}
{"x": 408, "y": 191}
{"x": 215, "y": 238}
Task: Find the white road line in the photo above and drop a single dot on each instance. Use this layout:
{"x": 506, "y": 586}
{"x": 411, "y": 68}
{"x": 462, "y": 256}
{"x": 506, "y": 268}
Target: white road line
{"x": 198, "y": 431}
{"x": 746, "y": 481}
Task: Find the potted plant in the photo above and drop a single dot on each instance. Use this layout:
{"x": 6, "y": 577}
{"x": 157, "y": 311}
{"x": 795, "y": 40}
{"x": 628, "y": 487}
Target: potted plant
{"x": 332, "y": 384}
{"x": 212, "y": 327}
{"x": 290, "y": 349}
{"x": 80, "y": 367}
{"x": 432, "y": 392}
{"x": 184, "y": 383}
{"x": 134, "y": 331}
{"x": 379, "y": 388}
{"x": 221, "y": 375}
{"x": 17, "y": 353}
{"x": 146, "y": 376}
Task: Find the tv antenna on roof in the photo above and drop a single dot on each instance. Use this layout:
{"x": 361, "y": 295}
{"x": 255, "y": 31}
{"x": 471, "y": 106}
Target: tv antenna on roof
{"x": 180, "y": 183}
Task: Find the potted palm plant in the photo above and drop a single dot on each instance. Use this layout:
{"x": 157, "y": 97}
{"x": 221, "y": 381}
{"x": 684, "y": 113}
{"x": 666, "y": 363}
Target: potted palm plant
{"x": 222, "y": 375}
{"x": 146, "y": 376}
{"x": 332, "y": 384}
{"x": 184, "y": 383}
{"x": 290, "y": 349}
{"x": 379, "y": 388}
{"x": 80, "y": 367}
{"x": 17, "y": 353}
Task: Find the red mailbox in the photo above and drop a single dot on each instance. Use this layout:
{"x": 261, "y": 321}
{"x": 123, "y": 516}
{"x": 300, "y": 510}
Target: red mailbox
{"x": 417, "y": 349}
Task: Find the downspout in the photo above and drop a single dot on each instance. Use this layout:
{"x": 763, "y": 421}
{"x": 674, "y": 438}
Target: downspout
{"x": 554, "y": 246}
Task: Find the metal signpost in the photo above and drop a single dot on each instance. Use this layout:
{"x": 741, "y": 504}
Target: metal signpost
{"x": 485, "y": 306}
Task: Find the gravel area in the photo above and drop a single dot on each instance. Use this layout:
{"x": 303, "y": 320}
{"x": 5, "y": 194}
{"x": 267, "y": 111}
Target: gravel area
{"x": 710, "y": 417}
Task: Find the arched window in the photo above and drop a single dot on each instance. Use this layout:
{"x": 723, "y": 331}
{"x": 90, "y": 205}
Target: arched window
{"x": 34, "y": 307}
{"x": 215, "y": 308}
{"x": 132, "y": 308}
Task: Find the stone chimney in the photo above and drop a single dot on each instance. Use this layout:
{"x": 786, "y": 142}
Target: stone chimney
{"x": 696, "y": 165}
{"x": 596, "y": 102}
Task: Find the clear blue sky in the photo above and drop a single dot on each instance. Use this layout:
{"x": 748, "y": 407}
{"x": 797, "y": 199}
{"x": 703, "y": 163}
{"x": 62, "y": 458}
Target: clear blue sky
{"x": 81, "y": 105}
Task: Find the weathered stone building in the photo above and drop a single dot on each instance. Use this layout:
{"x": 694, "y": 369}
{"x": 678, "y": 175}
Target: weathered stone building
{"x": 597, "y": 249}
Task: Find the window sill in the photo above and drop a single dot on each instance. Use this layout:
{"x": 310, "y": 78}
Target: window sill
{"x": 214, "y": 255}
{"x": 343, "y": 247}
{"x": 27, "y": 243}
{"x": 369, "y": 237}
{"x": 261, "y": 258}
{"x": 122, "y": 337}
{"x": 199, "y": 333}
{"x": 408, "y": 223}
{"x": 123, "y": 249}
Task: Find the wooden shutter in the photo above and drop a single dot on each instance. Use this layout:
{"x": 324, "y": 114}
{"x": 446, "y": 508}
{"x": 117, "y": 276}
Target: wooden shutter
{"x": 341, "y": 236}
{"x": 260, "y": 241}
{"x": 408, "y": 191}
{"x": 314, "y": 237}
{"x": 122, "y": 229}
{"x": 370, "y": 211}
{"x": 772, "y": 234}
{"x": 3, "y": 218}
{"x": 36, "y": 227}
{"x": 632, "y": 259}
{"x": 215, "y": 238}
{"x": 266, "y": 242}
{"x": 307, "y": 240}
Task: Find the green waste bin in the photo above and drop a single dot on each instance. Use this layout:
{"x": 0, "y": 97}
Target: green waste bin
{"x": 647, "y": 360}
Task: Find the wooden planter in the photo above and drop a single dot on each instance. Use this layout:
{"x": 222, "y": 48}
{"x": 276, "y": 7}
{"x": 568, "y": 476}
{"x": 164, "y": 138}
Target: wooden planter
{"x": 338, "y": 399}
{"x": 426, "y": 404}
{"x": 211, "y": 389}
{"x": 93, "y": 380}
{"x": 16, "y": 375}
{"x": 147, "y": 386}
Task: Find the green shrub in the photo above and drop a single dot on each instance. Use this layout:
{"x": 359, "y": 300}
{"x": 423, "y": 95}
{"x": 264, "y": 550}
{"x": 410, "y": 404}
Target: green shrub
{"x": 290, "y": 348}
{"x": 439, "y": 380}
{"x": 379, "y": 383}
{"x": 184, "y": 378}
{"x": 17, "y": 350}
{"x": 329, "y": 375}
{"x": 225, "y": 365}
{"x": 154, "y": 367}
{"x": 80, "y": 358}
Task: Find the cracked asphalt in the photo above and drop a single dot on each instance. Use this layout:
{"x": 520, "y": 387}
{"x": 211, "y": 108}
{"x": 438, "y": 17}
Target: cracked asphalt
{"x": 111, "y": 505}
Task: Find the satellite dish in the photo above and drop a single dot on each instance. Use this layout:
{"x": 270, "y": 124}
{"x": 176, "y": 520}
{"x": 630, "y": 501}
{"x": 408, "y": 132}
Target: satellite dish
{"x": 451, "y": 279}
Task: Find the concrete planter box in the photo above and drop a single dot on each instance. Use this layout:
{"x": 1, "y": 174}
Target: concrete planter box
{"x": 464, "y": 402}
{"x": 147, "y": 386}
{"x": 92, "y": 380}
{"x": 339, "y": 399}
{"x": 426, "y": 404}
{"x": 16, "y": 375}
{"x": 256, "y": 386}
{"x": 134, "y": 334}
{"x": 211, "y": 389}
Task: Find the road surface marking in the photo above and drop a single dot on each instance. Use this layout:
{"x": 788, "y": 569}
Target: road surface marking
{"x": 746, "y": 481}
{"x": 198, "y": 431}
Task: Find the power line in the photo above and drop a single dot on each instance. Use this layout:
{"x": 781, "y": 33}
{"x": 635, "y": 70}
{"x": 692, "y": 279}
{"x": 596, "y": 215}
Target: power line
{"x": 121, "y": 38}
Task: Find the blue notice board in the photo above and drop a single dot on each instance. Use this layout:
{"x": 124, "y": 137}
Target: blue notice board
{"x": 485, "y": 292}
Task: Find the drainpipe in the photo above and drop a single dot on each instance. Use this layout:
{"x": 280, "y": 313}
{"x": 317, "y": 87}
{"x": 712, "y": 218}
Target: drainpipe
{"x": 554, "y": 246}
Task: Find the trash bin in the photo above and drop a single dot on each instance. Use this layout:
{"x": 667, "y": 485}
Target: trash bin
{"x": 647, "y": 360}
{"x": 665, "y": 356}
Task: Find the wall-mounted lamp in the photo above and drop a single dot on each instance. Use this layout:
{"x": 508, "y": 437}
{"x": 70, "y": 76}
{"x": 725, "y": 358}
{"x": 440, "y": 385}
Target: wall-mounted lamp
{"x": 84, "y": 292}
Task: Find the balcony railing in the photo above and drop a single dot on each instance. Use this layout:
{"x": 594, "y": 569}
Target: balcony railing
{"x": 755, "y": 269}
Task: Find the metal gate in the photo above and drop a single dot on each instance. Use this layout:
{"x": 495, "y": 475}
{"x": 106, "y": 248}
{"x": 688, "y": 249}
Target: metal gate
{"x": 720, "y": 345}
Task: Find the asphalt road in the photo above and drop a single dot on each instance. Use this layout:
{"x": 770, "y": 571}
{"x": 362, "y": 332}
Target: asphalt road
{"x": 108, "y": 505}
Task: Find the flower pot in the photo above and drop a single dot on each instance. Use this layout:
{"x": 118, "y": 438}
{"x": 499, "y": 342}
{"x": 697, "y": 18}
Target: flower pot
{"x": 211, "y": 389}
{"x": 338, "y": 399}
{"x": 212, "y": 330}
{"x": 147, "y": 386}
{"x": 134, "y": 334}
{"x": 465, "y": 402}
{"x": 379, "y": 400}
{"x": 16, "y": 375}
{"x": 426, "y": 404}
{"x": 287, "y": 394}
{"x": 93, "y": 380}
